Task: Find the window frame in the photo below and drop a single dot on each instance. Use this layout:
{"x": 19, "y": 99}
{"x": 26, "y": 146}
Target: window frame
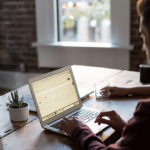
{"x": 52, "y": 53}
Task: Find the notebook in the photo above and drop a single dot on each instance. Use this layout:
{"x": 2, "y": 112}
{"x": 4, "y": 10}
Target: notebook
{"x": 56, "y": 96}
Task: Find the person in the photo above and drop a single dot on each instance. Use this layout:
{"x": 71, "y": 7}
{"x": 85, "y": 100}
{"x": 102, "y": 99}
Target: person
{"x": 135, "y": 133}
{"x": 144, "y": 29}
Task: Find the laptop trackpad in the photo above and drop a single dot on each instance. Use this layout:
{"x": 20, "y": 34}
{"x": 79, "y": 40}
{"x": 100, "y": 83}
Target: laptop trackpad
{"x": 95, "y": 127}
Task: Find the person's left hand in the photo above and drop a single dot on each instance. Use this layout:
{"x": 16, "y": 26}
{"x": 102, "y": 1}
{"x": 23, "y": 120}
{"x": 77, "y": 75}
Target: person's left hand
{"x": 69, "y": 124}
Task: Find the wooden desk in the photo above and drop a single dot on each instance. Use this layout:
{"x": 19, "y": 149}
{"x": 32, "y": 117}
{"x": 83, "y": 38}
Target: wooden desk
{"x": 31, "y": 136}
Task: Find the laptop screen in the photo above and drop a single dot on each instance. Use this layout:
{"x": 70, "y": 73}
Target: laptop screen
{"x": 55, "y": 94}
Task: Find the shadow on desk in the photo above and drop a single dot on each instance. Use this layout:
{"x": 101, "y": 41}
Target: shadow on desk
{"x": 49, "y": 140}
{"x": 3, "y": 91}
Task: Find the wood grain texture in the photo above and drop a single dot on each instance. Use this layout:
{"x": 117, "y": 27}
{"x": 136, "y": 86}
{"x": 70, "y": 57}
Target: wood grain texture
{"x": 33, "y": 137}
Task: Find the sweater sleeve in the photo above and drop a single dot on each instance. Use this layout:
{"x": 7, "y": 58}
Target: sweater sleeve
{"x": 86, "y": 139}
{"x": 135, "y": 136}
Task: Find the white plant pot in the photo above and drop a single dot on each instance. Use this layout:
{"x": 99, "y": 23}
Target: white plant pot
{"x": 19, "y": 114}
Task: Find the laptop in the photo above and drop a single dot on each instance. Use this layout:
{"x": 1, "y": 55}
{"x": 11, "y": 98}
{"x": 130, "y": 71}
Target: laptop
{"x": 56, "y": 96}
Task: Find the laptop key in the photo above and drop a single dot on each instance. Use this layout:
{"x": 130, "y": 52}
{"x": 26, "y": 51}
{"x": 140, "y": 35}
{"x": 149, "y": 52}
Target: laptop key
{"x": 56, "y": 125}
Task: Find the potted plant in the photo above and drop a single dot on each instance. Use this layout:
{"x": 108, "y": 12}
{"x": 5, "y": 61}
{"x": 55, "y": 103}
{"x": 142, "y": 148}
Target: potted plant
{"x": 18, "y": 109}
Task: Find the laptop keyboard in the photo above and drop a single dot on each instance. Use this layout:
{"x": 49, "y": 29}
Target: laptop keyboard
{"x": 83, "y": 114}
{"x": 86, "y": 115}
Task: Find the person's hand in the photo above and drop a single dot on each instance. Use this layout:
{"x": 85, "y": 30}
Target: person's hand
{"x": 114, "y": 91}
{"x": 69, "y": 124}
{"x": 113, "y": 120}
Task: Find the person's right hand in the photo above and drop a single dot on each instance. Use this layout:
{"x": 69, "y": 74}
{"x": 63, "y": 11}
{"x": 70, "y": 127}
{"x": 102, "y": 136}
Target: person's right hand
{"x": 114, "y": 120}
{"x": 114, "y": 91}
{"x": 70, "y": 123}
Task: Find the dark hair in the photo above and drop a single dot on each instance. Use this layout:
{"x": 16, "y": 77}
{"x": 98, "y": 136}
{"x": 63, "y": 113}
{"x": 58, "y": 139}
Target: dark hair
{"x": 143, "y": 9}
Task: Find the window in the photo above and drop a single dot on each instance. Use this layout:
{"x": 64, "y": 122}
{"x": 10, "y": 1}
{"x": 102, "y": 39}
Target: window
{"x": 54, "y": 51}
{"x": 84, "y": 20}
{"x": 116, "y": 20}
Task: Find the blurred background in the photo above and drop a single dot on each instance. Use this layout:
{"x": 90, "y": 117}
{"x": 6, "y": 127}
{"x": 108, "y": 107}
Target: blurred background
{"x": 78, "y": 20}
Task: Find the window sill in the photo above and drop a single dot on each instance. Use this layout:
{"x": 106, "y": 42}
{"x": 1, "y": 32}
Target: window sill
{"x": 83, "y": 45}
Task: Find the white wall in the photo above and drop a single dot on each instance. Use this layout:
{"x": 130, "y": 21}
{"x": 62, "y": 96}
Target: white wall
{"x": 61, "y": 56}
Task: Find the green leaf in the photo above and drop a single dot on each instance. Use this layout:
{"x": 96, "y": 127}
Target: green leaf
{"x": 15, "y": 101}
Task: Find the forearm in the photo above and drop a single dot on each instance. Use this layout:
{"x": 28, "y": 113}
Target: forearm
{"x": 143, "y": 90}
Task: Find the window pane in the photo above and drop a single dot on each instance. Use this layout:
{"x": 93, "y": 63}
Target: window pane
{"x": 84, "y": 20}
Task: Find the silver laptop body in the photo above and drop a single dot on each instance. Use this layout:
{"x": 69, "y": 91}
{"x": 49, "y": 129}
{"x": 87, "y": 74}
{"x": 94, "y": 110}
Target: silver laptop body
{"x": 56, "y": 96}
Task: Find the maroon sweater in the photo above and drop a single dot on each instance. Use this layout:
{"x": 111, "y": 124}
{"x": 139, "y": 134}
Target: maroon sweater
{"x": 135, "y": 136}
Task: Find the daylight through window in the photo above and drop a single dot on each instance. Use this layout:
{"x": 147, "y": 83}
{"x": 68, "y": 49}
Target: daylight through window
{"x": 84, "y": 20}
